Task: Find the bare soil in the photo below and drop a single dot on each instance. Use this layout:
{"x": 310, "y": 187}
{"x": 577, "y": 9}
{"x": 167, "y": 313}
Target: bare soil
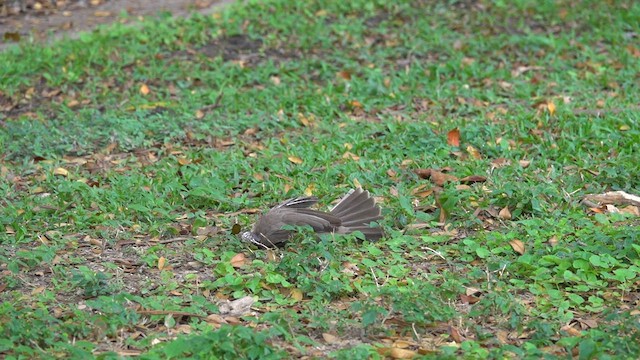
{"x": 47, "y": 20}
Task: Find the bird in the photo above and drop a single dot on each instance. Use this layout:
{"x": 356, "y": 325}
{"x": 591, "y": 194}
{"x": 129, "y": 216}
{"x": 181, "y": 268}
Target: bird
{"x": 354, "y": 212}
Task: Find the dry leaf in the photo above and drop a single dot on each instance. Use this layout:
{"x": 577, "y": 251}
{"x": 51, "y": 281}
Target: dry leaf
{"x": 144, "y": 89}
{"x": 161, "y": 262}
{"x": 238, "y": 260}
{"x": 505, "y": 214}
{"x": 423, "y": 173}
{"x": 553, "y": 241}
{"x": 294, "y": 159}
{"x": 453, "y": 137}
{"x": 296, "y": 294}
{"x": 455, "y": 334}
{"x": 309, "y": 190}
{"x": 397, "y": 353}
{"x": 524, "y": 163}
{"x": 329, "y": 338}
{"x": 356, "y": 183}
{"x": 551, "y": 107}
{"x": 440, "y": 178}
{"x": 473, "y": 179}
{"x": 344, "y": 74}
{"x": 61, "y": 172}
{"x": 474, "y": 152}
{"x": 500, "y": 162}
{"x": 518, "y": 246}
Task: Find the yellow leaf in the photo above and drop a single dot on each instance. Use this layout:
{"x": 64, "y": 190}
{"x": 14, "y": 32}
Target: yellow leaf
{"x": 296, "y": 294}
{"x": 551, "y": 107}
{"x": 61, "y": 172}
{"x": 309, "y": 190}
{"x": 144, "y": 89}
{"x": 161, "y": 262}
{"x": 518, "y": 246}
{"x": 294, "y": 159}
{"x": 474, "y": 152}
{"x": 356, "y": 183}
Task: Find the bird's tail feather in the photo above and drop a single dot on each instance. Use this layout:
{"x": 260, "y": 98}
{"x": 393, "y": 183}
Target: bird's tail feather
{"x": 356, "y": 211}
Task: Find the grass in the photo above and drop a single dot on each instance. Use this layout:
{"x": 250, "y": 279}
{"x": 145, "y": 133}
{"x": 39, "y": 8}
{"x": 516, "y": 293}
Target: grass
{"x": 131, "y": 156}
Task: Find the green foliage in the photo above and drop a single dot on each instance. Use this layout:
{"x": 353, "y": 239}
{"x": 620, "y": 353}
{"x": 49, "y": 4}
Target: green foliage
{"x": 361, "y": 92}
{"x": 228, "y": 342}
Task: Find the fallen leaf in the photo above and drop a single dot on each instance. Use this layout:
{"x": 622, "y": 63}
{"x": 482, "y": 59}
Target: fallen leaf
{"x": 475, "y": 153}
{"x": 161, "y": 262}
{"x": 344, "y": 74}
{"x": 440, "y": 178}
{"x": 144, "y": 89}
{"x": 61, "y": 172}
{"x": 505, "y": 214}
{"x": 524, "y": 163}
{"x": 296, "y": 294}
{"x": 500, "y": 162}
{"x": 551, "y": 107}
{"x": 473, "y": 179}
{"x": 423, "y": 173}
{"x": 453, "y": 137}
{"x": 518, "y": 246}
{"x": 397, "y": 353}
{"x": 294, "y": 159}
{"x": 329, "y": 338}
{"x": 455, "y": 334}
{"x": 309, "y": 190}
{"x": 238, "y": 260}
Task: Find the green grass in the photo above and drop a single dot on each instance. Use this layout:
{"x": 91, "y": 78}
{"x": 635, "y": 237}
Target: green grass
{"x": 118, "y": 207}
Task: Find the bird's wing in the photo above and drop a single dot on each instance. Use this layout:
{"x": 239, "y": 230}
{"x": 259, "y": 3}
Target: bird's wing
{"x": 298, "y": 203}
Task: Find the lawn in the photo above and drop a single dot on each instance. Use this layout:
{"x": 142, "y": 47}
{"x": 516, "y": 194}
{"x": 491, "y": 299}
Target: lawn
{"x": 131, "y": 158}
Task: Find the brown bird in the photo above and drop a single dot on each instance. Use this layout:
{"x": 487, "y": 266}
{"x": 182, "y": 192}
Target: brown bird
{"x": 354, "y": 212}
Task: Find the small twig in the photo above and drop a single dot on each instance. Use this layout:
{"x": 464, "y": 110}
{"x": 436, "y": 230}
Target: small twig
{"x": 175, "y": 239}
{"x": 215, "y": 105}
{"x": 375, "y": 278}
{"x": 413, "y": 326}
{"x": 168, "y": 312}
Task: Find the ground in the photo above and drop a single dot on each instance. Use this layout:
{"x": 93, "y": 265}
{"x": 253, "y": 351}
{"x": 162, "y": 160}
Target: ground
{"x": 483, "y": 128}
{"x": 68, "y": 18}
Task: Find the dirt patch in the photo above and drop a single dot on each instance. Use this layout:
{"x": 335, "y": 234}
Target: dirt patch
{"x": 48, "y": 20}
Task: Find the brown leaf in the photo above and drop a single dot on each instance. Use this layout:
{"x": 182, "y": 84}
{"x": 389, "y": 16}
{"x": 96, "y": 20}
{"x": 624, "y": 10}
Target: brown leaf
{"x": 238, "y": 260}
{"x": 455, "y": 334}
{"x": 518, "y": 246}
{"x": 524, "y": 163}
{"x": 469, "y": 299}
{"x": 505, "y": 214}
{"x": 344, "y": 74}
{"x": 440, "y": 178}
{"x": 161, "y": 262}
{"x": 423, "y": 173}
{"x": 473, "y": 179}
{"x": 500, "y": 162}
{"x": 329, "y": 338}
{"x": 397, "y": 353}
{"x": 453, "y": 137}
